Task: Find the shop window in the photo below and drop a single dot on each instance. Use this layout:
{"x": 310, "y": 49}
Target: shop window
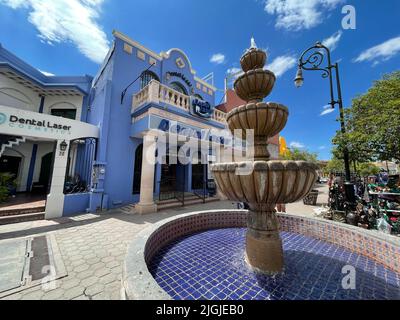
{"x": 146, "y": 77}
{"x": 178, "y": 87}
{"x": 64, "y": 113}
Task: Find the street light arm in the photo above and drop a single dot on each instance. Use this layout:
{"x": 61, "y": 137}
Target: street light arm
{"x": 312, "y": 58}
{"x": 126, "y": 89}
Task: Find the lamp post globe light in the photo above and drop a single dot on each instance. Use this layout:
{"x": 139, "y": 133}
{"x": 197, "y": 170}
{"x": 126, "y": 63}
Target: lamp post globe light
{"x": 312, "y": 59}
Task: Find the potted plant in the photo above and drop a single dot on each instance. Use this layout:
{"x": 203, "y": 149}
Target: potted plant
{"x": 8, "y": 186}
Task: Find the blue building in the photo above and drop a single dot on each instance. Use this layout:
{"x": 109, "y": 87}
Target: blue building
{"x": 106, "y": 152}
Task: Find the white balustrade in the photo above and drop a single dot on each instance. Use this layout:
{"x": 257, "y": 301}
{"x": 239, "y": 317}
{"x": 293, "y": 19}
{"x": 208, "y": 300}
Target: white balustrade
{"x": 155, "y": 92}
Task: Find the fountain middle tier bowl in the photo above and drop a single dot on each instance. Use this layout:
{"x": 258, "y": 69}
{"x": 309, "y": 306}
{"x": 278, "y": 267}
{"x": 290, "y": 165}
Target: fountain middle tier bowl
{"x": 265, "y": 182}
{"x": 254, "y": 85}
{"x": 267, "y": 119}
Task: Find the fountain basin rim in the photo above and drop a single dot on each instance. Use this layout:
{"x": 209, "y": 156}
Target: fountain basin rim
{"x": 139, "y": 284}
{"x": 271, "y": 165}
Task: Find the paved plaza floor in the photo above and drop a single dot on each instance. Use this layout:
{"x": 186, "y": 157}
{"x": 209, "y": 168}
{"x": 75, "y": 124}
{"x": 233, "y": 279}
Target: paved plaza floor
{"x": 88, "y": 249}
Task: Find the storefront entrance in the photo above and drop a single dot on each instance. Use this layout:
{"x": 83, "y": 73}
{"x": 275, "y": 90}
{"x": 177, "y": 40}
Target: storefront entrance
{"x": 173, "y": 179}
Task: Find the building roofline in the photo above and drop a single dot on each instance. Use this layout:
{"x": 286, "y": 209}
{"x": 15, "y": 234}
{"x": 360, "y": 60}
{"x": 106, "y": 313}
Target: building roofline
{"x": 161, "y": 55}
{"x": 11, "y": 61}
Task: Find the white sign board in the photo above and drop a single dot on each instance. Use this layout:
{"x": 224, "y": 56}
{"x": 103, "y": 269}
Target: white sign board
{"x": 19, "y": 122}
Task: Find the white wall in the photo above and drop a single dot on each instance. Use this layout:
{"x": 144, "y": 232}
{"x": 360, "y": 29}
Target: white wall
{"x": 24, "y": 151}
{"x": 13, "y": 94}
{"x": 72, "y": 102}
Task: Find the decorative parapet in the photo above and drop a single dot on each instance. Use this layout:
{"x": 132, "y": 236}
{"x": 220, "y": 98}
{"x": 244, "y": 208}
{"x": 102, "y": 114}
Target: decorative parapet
{"x": 157, "y": 93}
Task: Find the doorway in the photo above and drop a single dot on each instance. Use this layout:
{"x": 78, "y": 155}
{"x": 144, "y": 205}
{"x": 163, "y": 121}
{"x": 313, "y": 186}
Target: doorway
{"x": 10, "y": 164}
{"x": 45, "y": 174}
{"x": 198, "y": 173}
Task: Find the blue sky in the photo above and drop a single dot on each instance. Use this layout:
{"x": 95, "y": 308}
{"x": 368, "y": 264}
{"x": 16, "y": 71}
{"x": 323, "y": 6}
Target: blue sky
{"x": 71, "y": 37}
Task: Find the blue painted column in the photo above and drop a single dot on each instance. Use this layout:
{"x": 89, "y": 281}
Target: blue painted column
{"x": 32, "y": 162}
{"x": 157, "y": 180}
{"x": 31, "y": 168}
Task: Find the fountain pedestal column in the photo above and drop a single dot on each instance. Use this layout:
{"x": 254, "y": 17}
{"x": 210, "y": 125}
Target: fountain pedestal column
{"x": 263, "y": 244}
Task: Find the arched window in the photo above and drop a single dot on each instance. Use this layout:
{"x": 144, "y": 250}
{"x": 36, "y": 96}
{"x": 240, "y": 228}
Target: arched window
{"x": 146, "y": 77}
{"x": 63, "y": 109}
{"x": 178, "y": 87}
{"x": 137, "y": 173}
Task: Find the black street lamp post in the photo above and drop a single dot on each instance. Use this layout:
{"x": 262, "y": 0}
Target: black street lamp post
{"x": 311, "y": 59}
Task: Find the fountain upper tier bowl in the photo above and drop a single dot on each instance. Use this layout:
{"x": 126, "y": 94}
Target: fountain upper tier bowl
{"x": 253, "y": 59}
{"x": 267, "y": 119}
{"x": 265, "y": 182}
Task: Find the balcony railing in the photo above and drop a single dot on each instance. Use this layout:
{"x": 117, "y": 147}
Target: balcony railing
{"x": 156, "y": 92}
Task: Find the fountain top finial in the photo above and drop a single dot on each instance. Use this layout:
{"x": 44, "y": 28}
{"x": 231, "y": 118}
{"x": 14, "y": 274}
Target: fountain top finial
{"x": 253, "y": 44}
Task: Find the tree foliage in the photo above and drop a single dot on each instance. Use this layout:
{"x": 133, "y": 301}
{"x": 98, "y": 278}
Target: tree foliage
{"x": 362, "y": 169}
{"x": 373, "y": 123}
{"x": 300, "y": 155}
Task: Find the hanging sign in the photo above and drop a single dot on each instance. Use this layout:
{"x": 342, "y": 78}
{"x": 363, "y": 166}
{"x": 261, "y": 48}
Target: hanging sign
{"x": 200, "y": 107}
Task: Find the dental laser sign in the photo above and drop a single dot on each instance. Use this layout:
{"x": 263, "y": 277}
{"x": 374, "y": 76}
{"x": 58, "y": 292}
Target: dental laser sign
{"x": 38, "y": 123}
{"x": 32, "y": 124}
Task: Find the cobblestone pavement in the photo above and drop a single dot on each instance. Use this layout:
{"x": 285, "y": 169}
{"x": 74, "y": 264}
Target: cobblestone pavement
{"x": 93, "y": 249}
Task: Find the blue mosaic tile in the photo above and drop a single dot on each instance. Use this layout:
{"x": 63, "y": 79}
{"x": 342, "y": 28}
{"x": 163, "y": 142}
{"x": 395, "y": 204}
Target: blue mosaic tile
{"x": 210, "y": 266}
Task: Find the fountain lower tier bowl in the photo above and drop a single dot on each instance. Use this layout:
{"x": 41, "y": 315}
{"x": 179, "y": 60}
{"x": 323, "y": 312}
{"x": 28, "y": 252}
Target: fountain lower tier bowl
{"x": 266, "y": 119}
{"x": 265, "y": 182}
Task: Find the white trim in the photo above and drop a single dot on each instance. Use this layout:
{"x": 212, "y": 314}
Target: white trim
{"x": 168, "y": 53}
{"x": 104, "y": 65}
{"x": 137, "y": 45}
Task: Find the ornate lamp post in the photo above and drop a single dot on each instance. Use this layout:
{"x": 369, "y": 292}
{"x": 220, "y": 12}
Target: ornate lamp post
{"x": 312, "y": 59}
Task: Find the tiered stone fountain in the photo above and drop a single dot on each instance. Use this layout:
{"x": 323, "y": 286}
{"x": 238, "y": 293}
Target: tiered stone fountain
{"x": 270, "y": 181}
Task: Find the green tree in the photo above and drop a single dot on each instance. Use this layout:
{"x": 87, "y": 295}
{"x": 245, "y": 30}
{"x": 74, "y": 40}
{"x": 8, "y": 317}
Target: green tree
{"x": 363, "y": 169}
{"x": 373, "y": 123}
{"x": 367, "y": 169}
{"x": 300, "y": 155}
{"x": 333, "y": 165}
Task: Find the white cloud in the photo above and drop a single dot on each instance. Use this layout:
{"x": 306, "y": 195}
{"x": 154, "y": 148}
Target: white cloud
{"x": 299, "y": 14}
{"x": 217, "y": 58}
{"x": 66, "y": 21}
{"x": 49, "y": 74}
{"x": 322, "y": 148}
{"x": 381, "y": 52}
{"x": 279, "y": 66}
{"x": 297, "y": 145}
{"x": 282, "y": 64}
{"x": 333, "y": 41}
{"x": 327, "y": 109}
{"x": 233, "y": 70}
